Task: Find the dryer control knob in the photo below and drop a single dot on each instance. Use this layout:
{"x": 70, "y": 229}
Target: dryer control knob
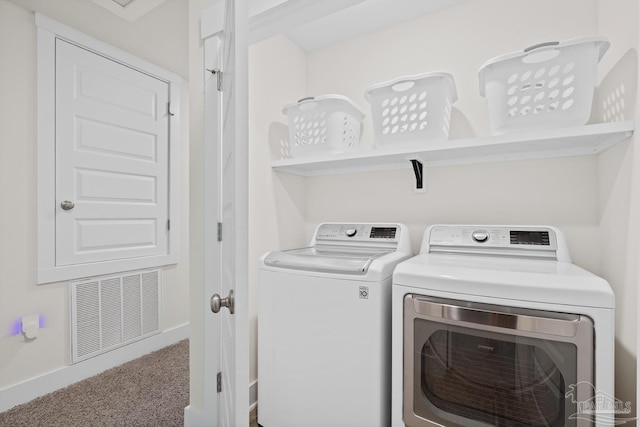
{"x": 480, "y": 236}
{"x": 350, "y": 232}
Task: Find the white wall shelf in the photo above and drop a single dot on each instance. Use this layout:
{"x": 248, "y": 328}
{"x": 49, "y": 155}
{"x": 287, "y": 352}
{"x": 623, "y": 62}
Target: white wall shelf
{"x": 539, "y": 144}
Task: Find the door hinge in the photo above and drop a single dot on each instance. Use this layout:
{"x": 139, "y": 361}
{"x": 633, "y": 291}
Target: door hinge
{"x": 218, "y": 74}
{"x": 168, "y": 224}
{"x": 169, "y": 113}
{"x": 219, "y": 382}
{"x": 219, "y": 232}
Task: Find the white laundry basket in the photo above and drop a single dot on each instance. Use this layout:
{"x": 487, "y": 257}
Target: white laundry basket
{"x": 323, "y": 124}
{"x": 412, "y": 109}
{"x": 543, "y": 86}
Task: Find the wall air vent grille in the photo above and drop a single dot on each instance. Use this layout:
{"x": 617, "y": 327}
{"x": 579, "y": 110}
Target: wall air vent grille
{"x": 112, "y": 311}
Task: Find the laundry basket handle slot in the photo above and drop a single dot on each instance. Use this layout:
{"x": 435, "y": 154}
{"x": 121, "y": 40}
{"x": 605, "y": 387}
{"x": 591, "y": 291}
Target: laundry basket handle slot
{"x": 535, "y": 56}
{"x": 539, "y": 45}
{"x": 403, "y": 85}
{"x": 305, "y": 104}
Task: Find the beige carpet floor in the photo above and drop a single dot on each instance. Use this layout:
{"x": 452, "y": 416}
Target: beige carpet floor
{"x": 150, "y": 391}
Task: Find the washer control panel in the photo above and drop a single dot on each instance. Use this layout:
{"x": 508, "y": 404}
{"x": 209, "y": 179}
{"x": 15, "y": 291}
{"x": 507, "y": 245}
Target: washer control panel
{"x": 358, "y": 232}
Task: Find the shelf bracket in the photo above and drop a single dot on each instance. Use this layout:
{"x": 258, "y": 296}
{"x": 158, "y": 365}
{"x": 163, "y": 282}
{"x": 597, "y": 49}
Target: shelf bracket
{"x": 418, "y": 170}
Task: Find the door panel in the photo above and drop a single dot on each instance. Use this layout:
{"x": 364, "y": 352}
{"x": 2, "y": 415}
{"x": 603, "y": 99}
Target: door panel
{"x": 234, "y": 346}
{"x": 112, "y": 153}
{"x": 228, "y": 206}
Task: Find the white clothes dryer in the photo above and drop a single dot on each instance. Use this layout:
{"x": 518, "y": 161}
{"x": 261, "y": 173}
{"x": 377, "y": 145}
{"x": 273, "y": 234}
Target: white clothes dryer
{"x": 493, "y": 325}
{"x": 324, "y": 328}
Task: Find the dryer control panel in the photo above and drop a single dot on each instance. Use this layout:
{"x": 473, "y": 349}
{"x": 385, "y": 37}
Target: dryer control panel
{"x": 530, "y": 241}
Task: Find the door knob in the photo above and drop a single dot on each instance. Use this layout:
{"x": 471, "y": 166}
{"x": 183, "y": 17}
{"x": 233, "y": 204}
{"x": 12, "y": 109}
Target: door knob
{"x": 67, "y": 205}
{"x": 217, "y": 303}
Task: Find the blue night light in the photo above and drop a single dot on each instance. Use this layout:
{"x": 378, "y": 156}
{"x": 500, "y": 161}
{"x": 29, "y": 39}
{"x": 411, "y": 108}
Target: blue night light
{"x": 16, "y": 325}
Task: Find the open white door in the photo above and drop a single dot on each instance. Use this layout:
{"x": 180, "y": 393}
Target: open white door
{"x": 234, "y": 205}
{"x": 226, "y": 333}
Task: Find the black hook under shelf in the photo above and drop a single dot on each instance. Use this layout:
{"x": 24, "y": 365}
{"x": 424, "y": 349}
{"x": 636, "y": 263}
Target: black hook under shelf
{"x": 418, "y": 170}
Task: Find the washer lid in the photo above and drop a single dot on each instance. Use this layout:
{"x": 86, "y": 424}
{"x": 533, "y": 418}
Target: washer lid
{"x": 326, "y": 258}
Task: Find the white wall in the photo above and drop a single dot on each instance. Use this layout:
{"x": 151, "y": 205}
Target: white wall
{"x": 196, "y": 201}
{"x": 619, "y": 190}
{"x": 459, "y": 40}
{"x": 589, "y": 198}
{"x": 159, "y": 37}
{"x": 277, "y": 74}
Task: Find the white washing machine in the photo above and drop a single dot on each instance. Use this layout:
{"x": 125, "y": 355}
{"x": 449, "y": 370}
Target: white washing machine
{"x": 324, "y": 328}
{"x": 493, "y": 325}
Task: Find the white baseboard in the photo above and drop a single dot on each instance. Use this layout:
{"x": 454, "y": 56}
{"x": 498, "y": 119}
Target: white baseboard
{"x": 253, "y": 395}
{"x": 60, "y": 378}
{"x": 194, "y": 417}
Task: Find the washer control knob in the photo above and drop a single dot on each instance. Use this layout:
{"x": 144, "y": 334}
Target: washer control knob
{"x": 480, "y": 236}
{"x": 350, "y": 232}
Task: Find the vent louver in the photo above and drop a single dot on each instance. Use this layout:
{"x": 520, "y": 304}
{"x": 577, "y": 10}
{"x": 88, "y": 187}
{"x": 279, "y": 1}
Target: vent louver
{"x": 112, "y": 311}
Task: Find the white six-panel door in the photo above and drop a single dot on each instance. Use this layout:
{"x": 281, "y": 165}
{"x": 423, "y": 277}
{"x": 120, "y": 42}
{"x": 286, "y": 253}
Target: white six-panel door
{"x": 112, "y": 133}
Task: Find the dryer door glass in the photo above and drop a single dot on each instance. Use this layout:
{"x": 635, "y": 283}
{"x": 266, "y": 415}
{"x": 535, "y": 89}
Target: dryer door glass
{"x": 501, "y": 380}
{"x": 475, "y": 364}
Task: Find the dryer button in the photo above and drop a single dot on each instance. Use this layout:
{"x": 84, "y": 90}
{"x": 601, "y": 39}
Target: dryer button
{"x": 480, "y": 236}
{"x": 350, "y": 232}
